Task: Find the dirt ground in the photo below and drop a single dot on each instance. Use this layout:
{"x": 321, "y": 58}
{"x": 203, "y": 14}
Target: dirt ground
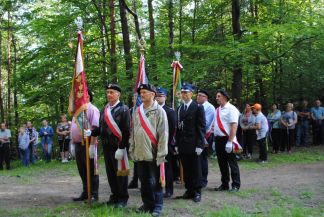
{"x": 54, "y": 188}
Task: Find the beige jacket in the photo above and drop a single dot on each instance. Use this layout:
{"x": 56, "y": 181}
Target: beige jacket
{"x": 141, "y": 148}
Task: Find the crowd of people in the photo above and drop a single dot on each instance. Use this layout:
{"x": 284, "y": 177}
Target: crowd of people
{"x": 165, "y": 141}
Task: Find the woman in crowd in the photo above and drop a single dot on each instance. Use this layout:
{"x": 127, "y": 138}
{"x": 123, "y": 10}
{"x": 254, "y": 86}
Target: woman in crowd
{"x": 247, "y": 119}
{"x": 274, "y": 122}
{"x": 63, "y": 132}
{"x": 23, "y": 144}
{"x": 288, "y": 122}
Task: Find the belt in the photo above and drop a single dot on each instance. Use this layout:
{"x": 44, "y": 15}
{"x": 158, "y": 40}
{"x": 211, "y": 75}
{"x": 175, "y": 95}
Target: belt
{"x": 220, "y": 136}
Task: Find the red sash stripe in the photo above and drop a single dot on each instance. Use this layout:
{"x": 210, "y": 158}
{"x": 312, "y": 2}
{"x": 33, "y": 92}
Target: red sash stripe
{"x": 146, "y": 128}
{"x": 110, "y": 125}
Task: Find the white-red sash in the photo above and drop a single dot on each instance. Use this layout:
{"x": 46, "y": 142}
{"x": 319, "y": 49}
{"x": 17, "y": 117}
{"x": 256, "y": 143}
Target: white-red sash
{"x": 210, "y": 131}
{"x": 151, "y": 133}
{"x": 236, "y": 146}
{"x": 145, "y": 123}
{"x": 111, "y": 123}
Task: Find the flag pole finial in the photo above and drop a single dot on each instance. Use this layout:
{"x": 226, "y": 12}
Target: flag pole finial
{"x": 142, "y": 44}
{"x": 177, "y": 55}
{"x": 79, "y": 22}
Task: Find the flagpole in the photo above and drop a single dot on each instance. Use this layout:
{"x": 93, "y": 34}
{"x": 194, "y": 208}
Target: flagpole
{"x": 79, "y": 23}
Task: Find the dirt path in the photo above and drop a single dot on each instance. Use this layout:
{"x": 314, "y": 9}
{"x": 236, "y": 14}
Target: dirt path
{"x": 54, "y": 188}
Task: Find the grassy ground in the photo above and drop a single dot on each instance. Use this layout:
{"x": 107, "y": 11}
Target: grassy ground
{"x": 254, "y": 201}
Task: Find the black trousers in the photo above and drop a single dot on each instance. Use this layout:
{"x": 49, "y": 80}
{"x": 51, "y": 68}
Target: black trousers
{"x": 5, "y": 155}
{"x": 80, "y": 157}
{"x": 248, "y": 138}
{"x": 226, "y": 161}
{"x": 318, "y": 132}
{"x": 169, "y": 174}
{"x": 276, "y": 139}
{"x": 118, "y": 184}
{"x": 151, "y": 189}
{"x": 135, "y": 173}
{"x": 204, "y": 161}
{"x": 288, "y": 139}
{"x": 192, "y": 173}
{"x": 263, "y": 155}
{"x": 175, "y": 166}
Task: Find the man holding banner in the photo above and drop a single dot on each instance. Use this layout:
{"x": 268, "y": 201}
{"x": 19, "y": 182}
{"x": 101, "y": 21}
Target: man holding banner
{"x": 114, "y": 131}
{"x": 149, "y": 147}
{"x": 227, "y": 117}
{"x": 91, "y": 120}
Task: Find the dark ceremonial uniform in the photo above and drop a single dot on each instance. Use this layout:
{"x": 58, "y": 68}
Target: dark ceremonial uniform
{"x": 92, "y": 116}
{"x": 190, "y": 135}
{"x": 168, "y": 166}
{"x": 110, "y": 144}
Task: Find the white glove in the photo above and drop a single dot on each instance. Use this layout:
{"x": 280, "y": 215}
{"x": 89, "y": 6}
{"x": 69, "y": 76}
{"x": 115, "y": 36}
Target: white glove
{"x": 91, "y": 151}
{"x": 86, "y": 133}
{"x": 199, "y": 151}
{"x": 229, "y": 147}
{"x": 119, "y": 154}
{"x": 176, "y": 150}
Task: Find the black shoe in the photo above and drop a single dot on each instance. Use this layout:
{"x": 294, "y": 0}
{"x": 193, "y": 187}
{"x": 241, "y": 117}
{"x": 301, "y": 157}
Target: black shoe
{"x": 234, "y": 190}
{"x": 156, "y": 212}
{"x": 111, "y": 202}
{"x": 197, "y": 198}
{"x": 120, "y": 205}
{"x": 167, "y": 195}
{"x": 188, "y": 195}
{"x": 204, "y": 185}
{"x": 221, "y": 188}
{"x": 143, "y": 208}
{"x": 132, "y": 185}
{"x": 82, "y": 197}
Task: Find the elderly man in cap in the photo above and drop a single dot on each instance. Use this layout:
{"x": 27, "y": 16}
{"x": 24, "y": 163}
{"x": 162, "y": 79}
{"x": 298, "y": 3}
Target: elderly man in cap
{"x": 190, "y": 137}
{"x": 210, "y": 114}
{"x": 114, "y": 131}
{"x": 261, "y": 126}
{"x": 149, "y": 147}
{"x": 161, "y": 97}
{"x": 227, "y": 117}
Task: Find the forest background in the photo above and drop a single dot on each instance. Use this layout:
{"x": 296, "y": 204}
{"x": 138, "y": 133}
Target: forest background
{"x": 259, "y": 50}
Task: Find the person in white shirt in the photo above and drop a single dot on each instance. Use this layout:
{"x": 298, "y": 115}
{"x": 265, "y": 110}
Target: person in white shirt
{"x": 226, "y": 144}
{"x": 261, "y": 126}
{"x": 210, "y": 114}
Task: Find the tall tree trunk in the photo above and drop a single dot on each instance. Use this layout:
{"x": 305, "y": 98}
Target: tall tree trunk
{"x": 193, "y": 31}
{"x": 14, "y": 43}
{"x": 9, "y": 72}
{"x": 113, "y": 59}
{"x": 152, "y": 42}
{"x": 126, "y": 40}
{"x": 171, "y": 25}
{"x": 134, "y": 13}
{"x": 237, "y": 69}
{"x": 180, "y": 22}
{"x": 1, "y": 99}
{"x": 103, "y": 33}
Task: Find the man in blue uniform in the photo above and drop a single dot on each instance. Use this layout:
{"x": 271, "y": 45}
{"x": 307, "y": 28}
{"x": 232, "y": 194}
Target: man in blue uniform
{"x": 190, "y": 142}
{"x": 161, "y": 96}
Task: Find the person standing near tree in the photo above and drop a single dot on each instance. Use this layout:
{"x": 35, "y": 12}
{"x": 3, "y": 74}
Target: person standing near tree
{"x": 149, "y": 147}
{"x": 317, "y": 114}
{"x": 46, "y": 133}
{"x": 303, "y": 124}
{"x": 273, "y": 120}
{"x": 33, "y": 141}
{"x": 288, "y": 122}
{"x": 227, "y": 117}
{"x": 23, "y": 143}
{"x": 261, "y": 126}
{"x": 63, "y": 135}
{"x": 247, "y": 120}
{"x": 190, "y": 142}
{"x": 114, "y": 131}
{"x": 5, "y": 135}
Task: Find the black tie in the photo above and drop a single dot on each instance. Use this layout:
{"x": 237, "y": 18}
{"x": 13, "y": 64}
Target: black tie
{"x": 185, "y": 108}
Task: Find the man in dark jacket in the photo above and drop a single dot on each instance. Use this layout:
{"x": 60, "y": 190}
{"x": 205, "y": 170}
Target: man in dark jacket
{"x": 190, "y": 142}
{"x": 161, "y": 96}
{"x": 114, "y": 131}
